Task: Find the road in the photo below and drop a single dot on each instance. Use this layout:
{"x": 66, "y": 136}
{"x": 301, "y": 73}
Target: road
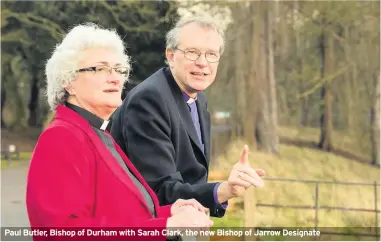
{"x": 13, "y": 208}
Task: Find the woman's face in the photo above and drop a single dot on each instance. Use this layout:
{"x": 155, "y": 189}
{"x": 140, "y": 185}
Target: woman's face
{"x": 97, "y": 87}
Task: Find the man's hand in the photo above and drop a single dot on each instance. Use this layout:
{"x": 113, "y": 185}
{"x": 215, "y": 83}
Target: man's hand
{"x": 241, "y": 177}
{"x": 181, "y": 204}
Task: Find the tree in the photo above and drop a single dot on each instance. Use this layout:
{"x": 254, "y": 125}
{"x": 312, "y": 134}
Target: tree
{"x": 42, "y": 24}
{"x": 375, "y": 124}
{"x": 327, "y": 43}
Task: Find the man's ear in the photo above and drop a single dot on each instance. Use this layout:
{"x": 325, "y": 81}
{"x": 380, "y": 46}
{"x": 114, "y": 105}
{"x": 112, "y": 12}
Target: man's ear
{"x": 169, "y": 54}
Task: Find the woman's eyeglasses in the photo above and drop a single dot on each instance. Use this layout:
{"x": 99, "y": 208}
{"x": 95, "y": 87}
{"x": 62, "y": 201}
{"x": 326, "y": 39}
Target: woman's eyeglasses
{"x": 121, "y": 70}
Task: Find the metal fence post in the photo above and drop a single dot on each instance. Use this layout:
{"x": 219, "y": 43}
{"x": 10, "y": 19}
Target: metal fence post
{"x": 375, "y": 206}
{"x": 316, "y": 207}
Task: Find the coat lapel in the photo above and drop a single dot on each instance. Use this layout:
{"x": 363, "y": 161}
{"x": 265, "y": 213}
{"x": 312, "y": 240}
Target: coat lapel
{"x": 204, "y": 117}
{"x": 138, "y": 176}
{"x": 114, "y": 166}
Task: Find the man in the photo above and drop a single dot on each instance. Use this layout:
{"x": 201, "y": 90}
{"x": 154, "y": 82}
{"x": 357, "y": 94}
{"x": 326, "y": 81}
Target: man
{"x": 164, "y": 127}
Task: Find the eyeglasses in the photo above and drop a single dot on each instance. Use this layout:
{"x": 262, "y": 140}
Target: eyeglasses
{"x": 121, "y": 70}
{"x": 193, "y": 54}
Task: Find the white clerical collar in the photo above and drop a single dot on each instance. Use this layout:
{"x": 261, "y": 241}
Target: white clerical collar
{"x": 191, "y": 100}
{"x": 104, "y": 124}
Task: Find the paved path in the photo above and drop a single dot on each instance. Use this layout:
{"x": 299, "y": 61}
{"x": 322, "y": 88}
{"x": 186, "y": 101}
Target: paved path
{"x": 13, "y": 208}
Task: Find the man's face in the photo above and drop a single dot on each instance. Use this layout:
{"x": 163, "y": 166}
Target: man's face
{"x": 194, "y": 76}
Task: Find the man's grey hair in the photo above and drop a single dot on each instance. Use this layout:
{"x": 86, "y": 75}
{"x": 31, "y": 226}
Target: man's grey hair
{"x": 172, "y": 37}
{"x": 61, "y": 67}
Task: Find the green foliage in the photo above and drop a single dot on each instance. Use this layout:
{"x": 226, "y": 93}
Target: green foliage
{"x": 30, "y": 31}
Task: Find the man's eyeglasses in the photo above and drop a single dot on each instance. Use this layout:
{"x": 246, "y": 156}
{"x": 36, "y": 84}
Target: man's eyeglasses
{"x": 193, "y": 54}
{"x": 121, "y": 70}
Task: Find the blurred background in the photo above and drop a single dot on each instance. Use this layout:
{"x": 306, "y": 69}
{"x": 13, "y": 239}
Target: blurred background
{"x": 299, "y": 82}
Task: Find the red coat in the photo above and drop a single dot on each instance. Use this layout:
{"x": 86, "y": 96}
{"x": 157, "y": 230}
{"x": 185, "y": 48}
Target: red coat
{"x": 74, "y": 181}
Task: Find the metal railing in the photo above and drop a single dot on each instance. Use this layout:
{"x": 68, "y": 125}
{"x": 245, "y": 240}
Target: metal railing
{"x": 318, "y": 207}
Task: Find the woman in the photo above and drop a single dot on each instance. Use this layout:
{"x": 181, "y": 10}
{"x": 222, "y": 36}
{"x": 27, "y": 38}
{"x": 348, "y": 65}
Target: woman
{"x": 78, "y": 176}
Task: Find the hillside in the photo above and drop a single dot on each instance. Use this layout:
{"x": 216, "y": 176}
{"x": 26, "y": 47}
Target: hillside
{"x": 352, "y": 146}
{"x": 309, "y": 164}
